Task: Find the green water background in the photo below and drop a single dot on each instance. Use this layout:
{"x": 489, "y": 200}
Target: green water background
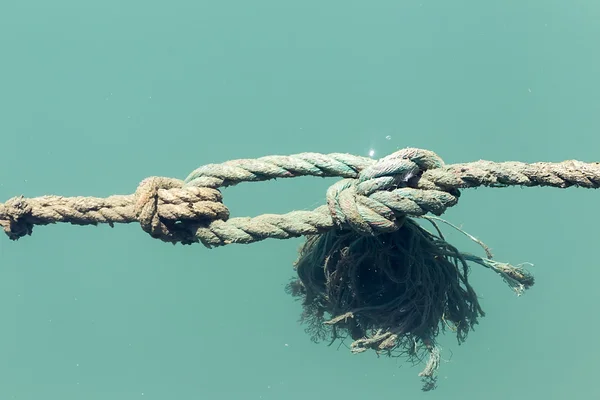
{"x": 96, "y": 96}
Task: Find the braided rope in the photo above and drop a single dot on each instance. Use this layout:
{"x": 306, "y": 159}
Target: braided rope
{"x": 370, "y": 199}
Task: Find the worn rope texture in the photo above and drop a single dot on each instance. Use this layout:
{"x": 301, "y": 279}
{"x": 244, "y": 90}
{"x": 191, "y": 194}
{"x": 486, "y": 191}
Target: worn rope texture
{"x": 369, "y": 200}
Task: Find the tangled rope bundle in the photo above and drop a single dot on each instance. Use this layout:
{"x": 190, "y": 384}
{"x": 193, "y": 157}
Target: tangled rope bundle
{"x": 367, "y": 271}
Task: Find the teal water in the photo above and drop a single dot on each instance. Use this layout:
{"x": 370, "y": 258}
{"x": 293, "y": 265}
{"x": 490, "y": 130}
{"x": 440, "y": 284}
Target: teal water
{"x": 96, "y": 96}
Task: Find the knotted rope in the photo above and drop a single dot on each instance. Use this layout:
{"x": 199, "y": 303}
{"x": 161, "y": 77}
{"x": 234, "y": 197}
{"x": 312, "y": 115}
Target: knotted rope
{"x": 374, "y": 193}
{"x": 367, "y": 271}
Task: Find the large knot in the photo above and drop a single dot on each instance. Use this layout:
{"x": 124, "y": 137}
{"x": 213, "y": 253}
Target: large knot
{"x": 170, "y": 211}
{"x": 384, "y": 193}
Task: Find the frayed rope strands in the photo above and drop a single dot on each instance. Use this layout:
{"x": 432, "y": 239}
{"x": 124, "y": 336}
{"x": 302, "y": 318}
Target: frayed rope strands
{"x": 367, "y": 270}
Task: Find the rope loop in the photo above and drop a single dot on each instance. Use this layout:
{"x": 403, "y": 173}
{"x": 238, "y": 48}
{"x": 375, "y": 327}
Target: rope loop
{"x": 385, "y": 192}
{"x": 169, "y": 210}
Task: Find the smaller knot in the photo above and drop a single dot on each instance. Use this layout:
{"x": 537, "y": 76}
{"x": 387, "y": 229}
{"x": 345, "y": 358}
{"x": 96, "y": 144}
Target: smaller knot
{"x": 170, "y": 211}
{"x": 397, "y": 169}
{"x": 15, "y": 217}
{"x": 381, "y": 196}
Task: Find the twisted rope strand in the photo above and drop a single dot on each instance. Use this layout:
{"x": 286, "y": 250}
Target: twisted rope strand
{"x": 456, "y": 176}
{"x": 513, "y": 173}
{"x": 369, "y": 200}
{"x": 231, "y": 173}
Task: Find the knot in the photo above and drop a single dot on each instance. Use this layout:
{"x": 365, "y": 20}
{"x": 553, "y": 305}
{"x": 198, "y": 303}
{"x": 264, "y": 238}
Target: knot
{"x": 384, "y": 193}
{"x": 15, "y": 217}
{"x": 170, "y": 211}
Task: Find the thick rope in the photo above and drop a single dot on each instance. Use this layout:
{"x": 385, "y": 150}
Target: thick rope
{"x": 370, "y": 199}
{"x": 456, "y": 176}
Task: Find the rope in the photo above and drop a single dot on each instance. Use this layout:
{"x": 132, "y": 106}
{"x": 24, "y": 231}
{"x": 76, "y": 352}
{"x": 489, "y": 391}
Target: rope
{"x": 370, "y": 199}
